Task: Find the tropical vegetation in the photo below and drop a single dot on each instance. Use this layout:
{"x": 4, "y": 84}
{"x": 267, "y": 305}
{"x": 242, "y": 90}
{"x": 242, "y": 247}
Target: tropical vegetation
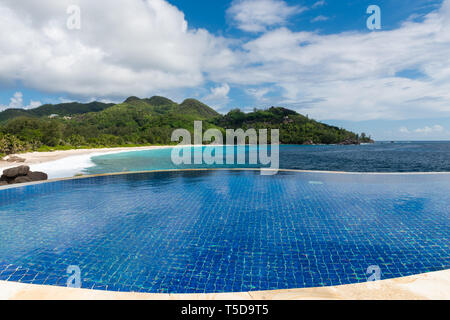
{"x": 149, "y": 122}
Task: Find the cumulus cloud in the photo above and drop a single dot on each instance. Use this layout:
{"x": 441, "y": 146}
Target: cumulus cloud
{"x": 220, "y": 92}
{"x": 218, "y": 95}
{"x": 426, "y": 129}
{"x": 259, "y": 15}
{"x": 354, "y": 75}
{"x": 117, "y": 52}
{"x": 16, "y": 102}
{"x": 150, "y": 48}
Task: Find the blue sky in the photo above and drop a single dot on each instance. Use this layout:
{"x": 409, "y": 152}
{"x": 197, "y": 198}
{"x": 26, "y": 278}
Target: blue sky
{"x": 341, "y": 15}
{"x": 317, "y": 57}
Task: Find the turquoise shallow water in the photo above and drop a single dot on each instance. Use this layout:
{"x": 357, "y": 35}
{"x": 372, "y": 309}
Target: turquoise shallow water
{"x": 379, "y": 157}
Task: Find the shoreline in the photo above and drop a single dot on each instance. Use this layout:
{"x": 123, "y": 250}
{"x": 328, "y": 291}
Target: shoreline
{"x": 67, "y": 163}
{"x": 40, "y": 157}
{"x": 70, "y": 163}
{"x": 36, "y": 157}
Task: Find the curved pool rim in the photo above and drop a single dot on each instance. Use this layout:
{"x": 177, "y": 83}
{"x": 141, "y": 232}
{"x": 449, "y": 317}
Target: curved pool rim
{"x": 415, "y": 287}
{"x": 19, "y": 185}
{"x": 274, "y": 291}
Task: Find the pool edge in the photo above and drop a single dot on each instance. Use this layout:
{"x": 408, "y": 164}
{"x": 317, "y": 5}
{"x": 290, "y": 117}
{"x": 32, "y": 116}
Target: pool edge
{"x": 18, "y": 185}
{"x": 426, "y": 286}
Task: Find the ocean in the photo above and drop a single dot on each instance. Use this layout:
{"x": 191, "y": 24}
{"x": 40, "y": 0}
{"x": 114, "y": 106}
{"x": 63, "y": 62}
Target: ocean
{"x": 421, "y": 156}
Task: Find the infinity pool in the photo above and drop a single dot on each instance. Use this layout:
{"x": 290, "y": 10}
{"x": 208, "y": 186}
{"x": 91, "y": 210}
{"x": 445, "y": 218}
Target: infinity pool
{"x": 224, "y": 231}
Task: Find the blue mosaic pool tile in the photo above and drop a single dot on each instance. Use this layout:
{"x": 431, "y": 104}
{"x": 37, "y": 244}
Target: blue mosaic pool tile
{"x": 220, "y": 231}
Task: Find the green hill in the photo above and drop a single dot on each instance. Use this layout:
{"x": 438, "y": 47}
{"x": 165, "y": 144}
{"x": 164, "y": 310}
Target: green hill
{"x": 159, "y": 101}
{"x": 159, "y": 105}
{"x": 150, "y": 121}
{"x": 62, "y": 109}
{"x": 154, "y": 105}
{"x": 14, "y": 113}
{"x": 294, "y": 127}
{"x": 195, "y": 107}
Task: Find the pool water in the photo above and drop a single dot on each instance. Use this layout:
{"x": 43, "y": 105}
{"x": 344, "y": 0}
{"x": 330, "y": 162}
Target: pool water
{"x": 224, "y": 231}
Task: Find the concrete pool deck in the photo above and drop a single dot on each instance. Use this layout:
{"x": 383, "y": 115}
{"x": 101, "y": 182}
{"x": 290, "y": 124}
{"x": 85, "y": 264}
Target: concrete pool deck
{"x": 427, "y": 286}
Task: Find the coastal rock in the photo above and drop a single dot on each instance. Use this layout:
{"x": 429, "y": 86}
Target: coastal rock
{"x": 22, "y": 179}
{"x": 6, "y": 179}
{"x": 16, "y": 171}
{"x": 21, "y": 174}
{"x": 37, "y": 176}
{"x": 15, "y": 159}
{"x": 349, "y": 142}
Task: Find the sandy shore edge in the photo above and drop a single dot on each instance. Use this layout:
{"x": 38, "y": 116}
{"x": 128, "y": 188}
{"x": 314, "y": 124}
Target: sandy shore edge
{"x": 33, "y": 158}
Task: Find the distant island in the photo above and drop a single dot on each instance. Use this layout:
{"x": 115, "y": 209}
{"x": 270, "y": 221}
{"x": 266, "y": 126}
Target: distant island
{"x": 149, "y": 121}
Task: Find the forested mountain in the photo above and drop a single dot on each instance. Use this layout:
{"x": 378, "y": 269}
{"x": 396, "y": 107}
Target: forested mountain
{"x": 62, "y": 109}
{"x": 149, "y": 121}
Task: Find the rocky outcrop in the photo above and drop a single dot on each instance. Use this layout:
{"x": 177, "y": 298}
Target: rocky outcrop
{"x": 21, "y": 179}
{"x": 16, "y": 171}
{"x": 21, "y": 174}
{"x": 349, "y": 142}
{"x": 14, "y": 159}
{"x": 37, "y": 176}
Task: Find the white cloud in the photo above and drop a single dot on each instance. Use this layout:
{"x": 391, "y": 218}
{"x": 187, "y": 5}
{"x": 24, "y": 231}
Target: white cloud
{"x": 33, "y": 104}
{"x": 220, "y": 92}
{"x": 353, "y": 75}
{"x": 149, "y": 48}
{"x": 259, "y": 93}
{"x": 319, "y": 18}
{"x": 137, "y": 51}
{"x": 259, "y": 15}
{"x": 16, "y": 102}
{"x": 403, "y": 130}
{"x": 319, "y": 3}
{"x": 426, "y": 130}
{"x": 218, "y": 96}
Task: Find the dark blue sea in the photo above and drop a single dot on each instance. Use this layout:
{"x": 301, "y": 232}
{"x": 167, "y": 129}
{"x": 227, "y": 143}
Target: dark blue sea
{"x": 378, "y": 157}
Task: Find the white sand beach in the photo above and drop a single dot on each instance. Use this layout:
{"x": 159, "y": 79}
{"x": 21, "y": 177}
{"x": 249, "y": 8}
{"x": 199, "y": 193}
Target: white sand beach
{"x": 66, "y": 163}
